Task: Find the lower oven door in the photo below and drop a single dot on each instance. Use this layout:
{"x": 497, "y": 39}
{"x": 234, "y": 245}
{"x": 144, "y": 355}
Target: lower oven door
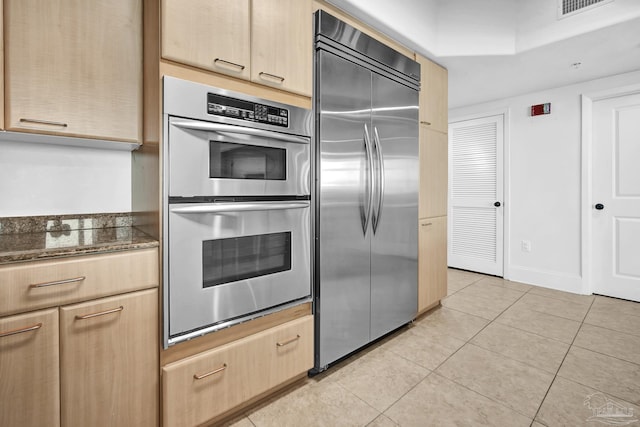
{"x": 230, "y": 261}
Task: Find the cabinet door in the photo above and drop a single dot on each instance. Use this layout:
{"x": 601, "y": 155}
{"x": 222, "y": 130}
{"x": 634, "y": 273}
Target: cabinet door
{"x": 282, "y": 44}
{"x": 433, "y": 173}
{"x": 74, "y": 67}
{"x": 433, "y": 95}
{"x": 432, "y": 261}
{"x": 109, "y": 361}
{"x": 29, "y": 373}
{"x": 209, "y": 34}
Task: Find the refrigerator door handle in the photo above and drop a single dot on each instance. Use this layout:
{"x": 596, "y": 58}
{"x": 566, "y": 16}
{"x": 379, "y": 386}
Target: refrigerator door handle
{"x": 377, "y": 213}
{"x": 369, "y": 190}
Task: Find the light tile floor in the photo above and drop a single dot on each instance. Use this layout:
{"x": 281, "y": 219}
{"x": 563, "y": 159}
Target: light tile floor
{"x": 497, "y": 353}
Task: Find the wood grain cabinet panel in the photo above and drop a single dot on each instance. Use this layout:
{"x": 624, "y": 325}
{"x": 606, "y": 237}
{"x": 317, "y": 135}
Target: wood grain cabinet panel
{"x": 74, "y": 67}
{"x": 209, "y": 34}
{"x": 433, "y": 95}
{"x": 200, "y": 388}
{"x": 40, "y": 284}
{"x": 282, "y": 44}
{"x": 109, "y": 361}
{"x": 433, "y": 173}
{"x": 29, "y": 374}
{"x": 432, "y": 264}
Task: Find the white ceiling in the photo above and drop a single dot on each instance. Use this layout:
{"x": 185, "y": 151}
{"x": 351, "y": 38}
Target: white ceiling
{"x": 494, "y": 49}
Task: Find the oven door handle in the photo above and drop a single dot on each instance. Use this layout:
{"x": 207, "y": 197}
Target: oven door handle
{"x": 239, "y": 207}
{"x": 222, "y": 128}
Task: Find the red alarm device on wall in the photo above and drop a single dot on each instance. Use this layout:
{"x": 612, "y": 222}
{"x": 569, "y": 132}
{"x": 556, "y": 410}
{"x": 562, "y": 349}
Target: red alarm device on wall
{"x": 537, "y": 110}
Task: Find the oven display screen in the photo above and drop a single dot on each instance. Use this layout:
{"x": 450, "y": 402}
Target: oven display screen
{"x": 219, "y": 105}
{"x": 239, "y": 258}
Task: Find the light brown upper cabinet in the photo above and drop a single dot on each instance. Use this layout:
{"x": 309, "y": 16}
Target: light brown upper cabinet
{"x": 268, "y": 42}
{"x": 209, "y": 34}
{"x": 74, "y": 67}
{"x": 281, "y": 44}
{"x": 433, "y": 95}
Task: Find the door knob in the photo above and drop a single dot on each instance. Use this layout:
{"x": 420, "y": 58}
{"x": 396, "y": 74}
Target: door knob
{"x": 496, "y": 204}
{"x": 599, "y": 206}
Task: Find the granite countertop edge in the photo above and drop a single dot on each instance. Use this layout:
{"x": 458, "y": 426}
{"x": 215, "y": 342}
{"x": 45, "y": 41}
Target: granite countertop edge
{"x": 38, "y": 238}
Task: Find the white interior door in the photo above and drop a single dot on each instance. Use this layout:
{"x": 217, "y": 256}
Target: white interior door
{"x": 475, "y": 195}
{"x": 616, "y": 197}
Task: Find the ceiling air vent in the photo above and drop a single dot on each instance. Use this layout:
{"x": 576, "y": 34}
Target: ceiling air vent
{"x": 569, "y": 7}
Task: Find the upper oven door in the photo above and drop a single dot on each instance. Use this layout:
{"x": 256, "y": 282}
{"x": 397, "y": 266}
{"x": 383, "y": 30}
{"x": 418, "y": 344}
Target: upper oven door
{"x": 217, "y": 159}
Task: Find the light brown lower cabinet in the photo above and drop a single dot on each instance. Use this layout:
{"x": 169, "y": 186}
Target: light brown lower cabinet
{"x": 432, "y": 261}
{"x": 88, "y": 364}
{"x": 29, "y": 374}
{"x": 109, "y": 360}
{"x": 202, "y": 387}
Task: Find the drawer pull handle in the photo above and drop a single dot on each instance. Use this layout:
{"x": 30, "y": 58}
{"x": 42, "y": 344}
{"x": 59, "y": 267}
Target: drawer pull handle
{"x": 426, "y": 224}
{"x": 44, "y": 122}
{"x": 58, "y": 282}
{"x": 100, "y": 313}
{"x": 425, "y": 123}
{"x": 289, "y": 341}
{"x": 208, "y": 374}
{"x": 271, "y": 76}
{"x": 233, "y": 64}
{"x": 21, "y": 330}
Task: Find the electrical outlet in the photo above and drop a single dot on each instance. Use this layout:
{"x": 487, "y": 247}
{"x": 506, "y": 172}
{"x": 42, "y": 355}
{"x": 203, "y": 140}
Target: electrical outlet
{"x": 526, "y": 246}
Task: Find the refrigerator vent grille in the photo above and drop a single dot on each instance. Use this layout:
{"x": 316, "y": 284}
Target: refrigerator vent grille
{"x": 569, "y": 7}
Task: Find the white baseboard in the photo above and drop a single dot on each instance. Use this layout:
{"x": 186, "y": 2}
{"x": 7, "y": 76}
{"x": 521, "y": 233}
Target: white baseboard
{"x": 546, "y": 279}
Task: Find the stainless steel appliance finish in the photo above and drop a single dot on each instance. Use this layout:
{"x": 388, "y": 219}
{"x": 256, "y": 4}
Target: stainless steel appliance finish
{"x": 214, "y": 276}
{"x": 224, "y": 151}
{"x": 236, "y": 216}
{"x": 367, "y": 190}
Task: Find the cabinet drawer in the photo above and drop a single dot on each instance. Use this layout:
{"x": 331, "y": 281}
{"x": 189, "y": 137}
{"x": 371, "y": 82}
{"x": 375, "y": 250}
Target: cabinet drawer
{"x": 204, "y": 386}
{"x": 29, "y": 378}
{"x": 40, "y": 284}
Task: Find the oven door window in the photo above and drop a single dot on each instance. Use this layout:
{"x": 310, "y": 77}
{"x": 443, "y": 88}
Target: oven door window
{"x": 240, "y": 258}
{"x": 242, "y": 161}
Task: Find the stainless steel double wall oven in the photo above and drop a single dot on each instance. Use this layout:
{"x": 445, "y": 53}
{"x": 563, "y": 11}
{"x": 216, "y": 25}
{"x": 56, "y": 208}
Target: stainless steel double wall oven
{"x": 236, "y": 217}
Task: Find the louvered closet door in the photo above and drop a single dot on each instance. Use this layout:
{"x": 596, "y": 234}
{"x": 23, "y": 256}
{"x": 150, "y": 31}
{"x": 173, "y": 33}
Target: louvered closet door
{"x": 475, "y": 188}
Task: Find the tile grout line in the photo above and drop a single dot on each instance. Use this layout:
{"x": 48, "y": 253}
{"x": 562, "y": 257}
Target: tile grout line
{"x": 563, "y": 359}
{"x": 469, "y": 342}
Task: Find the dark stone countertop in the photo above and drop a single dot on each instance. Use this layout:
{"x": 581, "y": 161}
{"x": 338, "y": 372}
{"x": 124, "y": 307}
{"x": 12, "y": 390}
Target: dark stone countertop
{"x": 49, "y": 236}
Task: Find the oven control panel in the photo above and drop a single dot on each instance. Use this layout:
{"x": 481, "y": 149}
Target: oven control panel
{"x": 245, "y": 110}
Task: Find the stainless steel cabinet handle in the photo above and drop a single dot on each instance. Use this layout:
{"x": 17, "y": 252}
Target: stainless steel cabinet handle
{"x": 222, "y": 128}
{"x": 57, "y": 282}
{"x": 377, "y": 214}
{"x": 208, "y": 374}
{"x": 233, "y": 64}
{"x": 239, "y": 207}
{"x": 44, "y": 122}
{"x": 425, "y": 123}
{"x": 289, "y": 341}
{"x": 100, "y": 313}
{"x": 271, "y": 76}
{"x": 368, "y": 194}
{"x": 21, "y": 330}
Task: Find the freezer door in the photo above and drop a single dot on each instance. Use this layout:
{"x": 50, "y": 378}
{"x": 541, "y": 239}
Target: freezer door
{"x": 344, "y": 199}
{"x": 394, "y": 245}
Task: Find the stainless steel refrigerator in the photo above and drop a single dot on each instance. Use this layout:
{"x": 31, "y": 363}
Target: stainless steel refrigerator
{"x": 366, "y": 193}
